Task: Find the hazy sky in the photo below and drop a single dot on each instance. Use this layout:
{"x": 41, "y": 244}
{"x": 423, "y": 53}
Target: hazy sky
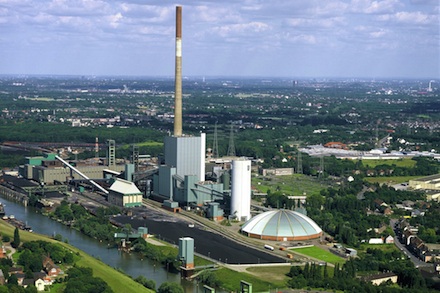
{"x": 287, "y": 38}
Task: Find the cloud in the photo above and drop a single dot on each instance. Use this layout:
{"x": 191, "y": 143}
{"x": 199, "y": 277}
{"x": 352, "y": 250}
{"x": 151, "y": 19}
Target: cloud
{"x": 415, "y": 17}
{"x": 241, "y": 29}
{"x": 248, "y": 31}
{"x": 374, "y": 7}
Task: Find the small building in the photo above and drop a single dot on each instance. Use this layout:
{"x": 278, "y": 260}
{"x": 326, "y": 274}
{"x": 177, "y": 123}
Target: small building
{"x": 2, "y": 278}
{"x": 350, "y": 252}
{"x": 171, "y": 206}
{"x": 375, "y": 241}
{"x": 336, "y": 145}
{"x": 276, "y": 171}
{"x": 381, "y": 278}
{"x": 389, "y": 240}
{"x": 214, "y": 212}
{"x": 124, "y": 193}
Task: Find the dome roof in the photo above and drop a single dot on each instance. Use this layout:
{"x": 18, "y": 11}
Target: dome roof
{"x": 282, "y": 225}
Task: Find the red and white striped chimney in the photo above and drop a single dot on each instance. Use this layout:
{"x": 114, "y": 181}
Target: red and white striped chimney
{"x": 178, "y": 75}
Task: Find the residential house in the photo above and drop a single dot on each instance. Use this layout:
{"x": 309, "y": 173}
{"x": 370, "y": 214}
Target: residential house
{"x": 389, "y": 240}
{"x": 50, "y": 267}
{"x": 38, "y": 283}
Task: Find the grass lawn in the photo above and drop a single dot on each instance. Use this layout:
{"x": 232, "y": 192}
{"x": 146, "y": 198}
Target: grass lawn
{"x": 118, "y": 281}
{"x": 231, "y": 280}
{"x": 320, "y": 254}
{"x": 275, "y": 275}
{"x": 383, "y": 247}
{"x": 405, "y": 163}
{"x": 390, "y": 180}
{"x": 145, "y": 144}
{"x": 296, "y": 184}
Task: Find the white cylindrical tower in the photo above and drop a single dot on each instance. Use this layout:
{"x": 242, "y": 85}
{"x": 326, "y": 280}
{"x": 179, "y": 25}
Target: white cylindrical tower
{"x": 241, "y": 189}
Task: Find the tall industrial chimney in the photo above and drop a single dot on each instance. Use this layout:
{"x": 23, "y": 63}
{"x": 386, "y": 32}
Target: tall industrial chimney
{"x": 178, "y": 75}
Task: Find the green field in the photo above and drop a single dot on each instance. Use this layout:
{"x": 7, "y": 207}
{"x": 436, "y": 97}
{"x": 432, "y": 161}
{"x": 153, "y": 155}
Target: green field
{"x": 404, "y": 163}
{"x": 391, "y": 180}
{"x": 231, "y": 280}
{"x": 145, "y": 144}
{"x": 276, "y": 275}
{"x": 320, "y": 254}
{"x": 296, "y": 184}
{"x": 118, "y": 281}
{"x": 383, "y": 247}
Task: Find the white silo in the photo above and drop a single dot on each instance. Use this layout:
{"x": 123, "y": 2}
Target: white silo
{"x": 241, "y": 189}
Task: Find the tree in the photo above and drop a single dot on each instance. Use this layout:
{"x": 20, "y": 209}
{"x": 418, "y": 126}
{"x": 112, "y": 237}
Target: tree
{"x": 169, "y": 287}
{"x": 209, "y": 278}
{"x": 13, "y": 280}
{"x": 16, "y": 242}
{"x": 150, "y": 284}
{"x": 6, "y": 238}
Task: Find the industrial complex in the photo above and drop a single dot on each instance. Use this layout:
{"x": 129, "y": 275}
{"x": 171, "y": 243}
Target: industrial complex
{"x": 181, "y": 180}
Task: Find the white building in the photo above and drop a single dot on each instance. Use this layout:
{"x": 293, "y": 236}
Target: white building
{"x": 241, "y": 189}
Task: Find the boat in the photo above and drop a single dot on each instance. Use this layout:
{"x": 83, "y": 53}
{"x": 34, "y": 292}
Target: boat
{"x": 17, "y": 223}
{"x": 2, "y": 210}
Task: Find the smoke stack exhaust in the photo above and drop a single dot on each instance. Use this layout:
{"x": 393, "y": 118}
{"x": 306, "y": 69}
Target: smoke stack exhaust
{"x": 178, "y": 75}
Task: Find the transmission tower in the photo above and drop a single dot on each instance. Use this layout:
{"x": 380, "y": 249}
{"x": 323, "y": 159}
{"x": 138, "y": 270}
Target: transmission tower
{"x": 299, "y": 168}
{"x": 321, "y": 167}
{"x": 215, "y": 153}
{"x": 231, "y": 147}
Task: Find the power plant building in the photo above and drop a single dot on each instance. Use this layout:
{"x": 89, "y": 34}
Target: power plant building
{"x": 47, "y": 169}
{"x": 241, "y": 189}
{"x": 186, "y": 154}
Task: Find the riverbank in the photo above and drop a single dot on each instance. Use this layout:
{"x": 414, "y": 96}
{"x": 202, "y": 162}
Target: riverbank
{"x": 118, "y": 281}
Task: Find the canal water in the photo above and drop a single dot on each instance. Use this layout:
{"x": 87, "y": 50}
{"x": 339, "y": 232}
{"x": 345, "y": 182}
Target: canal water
{"x": 128, "y": 263}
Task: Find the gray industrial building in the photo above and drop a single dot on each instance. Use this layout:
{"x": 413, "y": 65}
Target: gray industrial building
{"x": 186, "y": 154}
{"x": 47, "y": 169}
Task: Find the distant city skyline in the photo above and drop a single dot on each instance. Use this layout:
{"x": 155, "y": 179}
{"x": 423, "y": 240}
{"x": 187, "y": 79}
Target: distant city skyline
{"x": 250, "y": 38}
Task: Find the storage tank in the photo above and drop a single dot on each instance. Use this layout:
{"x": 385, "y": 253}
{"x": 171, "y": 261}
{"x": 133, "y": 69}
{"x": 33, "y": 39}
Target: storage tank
{"x": 241, "y": 189}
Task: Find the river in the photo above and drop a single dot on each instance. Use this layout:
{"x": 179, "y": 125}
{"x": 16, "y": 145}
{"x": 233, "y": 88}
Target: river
{"x": 129, "y": 263}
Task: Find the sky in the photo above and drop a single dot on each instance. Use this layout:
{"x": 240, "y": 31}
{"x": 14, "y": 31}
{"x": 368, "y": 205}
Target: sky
{"x": 240, "y": 38}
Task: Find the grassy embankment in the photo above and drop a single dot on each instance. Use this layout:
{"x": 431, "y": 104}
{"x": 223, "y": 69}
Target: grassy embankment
{"x": 261, "y": 278}
{"x": 118, "y": 281}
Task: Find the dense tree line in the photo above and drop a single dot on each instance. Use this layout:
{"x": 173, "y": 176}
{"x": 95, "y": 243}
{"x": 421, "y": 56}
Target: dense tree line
{"x": 167, "y": 257}
{"x": 345, "y": 278}
{"x": 96, "y": 226}
{"x": 81, "y": 280}
{"x": 390, "y": 195}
